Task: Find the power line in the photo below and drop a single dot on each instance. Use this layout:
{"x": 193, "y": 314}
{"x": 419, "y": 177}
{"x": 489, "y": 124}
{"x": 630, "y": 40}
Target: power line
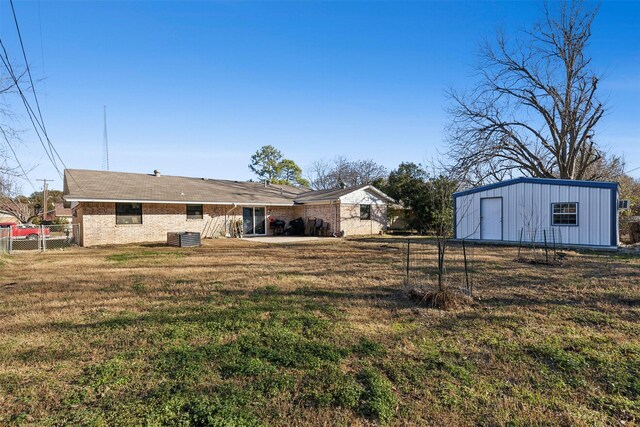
{"x": 30, "y": 112}
{"x": 24, "y": 172}
{"x": 52, "y": 152}
{"x": 634, "y": 169}
{"x": 34, "y": 120}
{"x": 44, "y": 72}
{"x": 26, "y": 63}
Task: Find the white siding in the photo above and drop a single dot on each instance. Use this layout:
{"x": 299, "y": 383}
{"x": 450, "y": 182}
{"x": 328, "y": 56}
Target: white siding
{"x": 362, "y": 197}
{"x": 528, "y": 205}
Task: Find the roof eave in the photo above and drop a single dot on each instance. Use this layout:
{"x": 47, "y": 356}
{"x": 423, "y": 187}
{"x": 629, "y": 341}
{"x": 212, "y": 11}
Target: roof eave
{"x": 174, "y": 202}
{"x": 542, "y": 181}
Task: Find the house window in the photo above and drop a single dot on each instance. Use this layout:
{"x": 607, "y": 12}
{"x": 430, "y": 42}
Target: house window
{"x": 194, "y": 211}
{"x": 128, "y": 213}
{"x": 564, "y": 214}
{"x": 365, "y": 211}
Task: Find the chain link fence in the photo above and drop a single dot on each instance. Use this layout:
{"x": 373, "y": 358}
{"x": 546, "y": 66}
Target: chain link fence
{"x": 5, "y": 241}
{"x": 39, "y": 237}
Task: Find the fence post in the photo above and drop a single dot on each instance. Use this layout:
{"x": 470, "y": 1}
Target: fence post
{"x": 408, "y": 261}
{"x": 520, "y": 242}
{"x": 440, "y": 264}
{"x": 466, "y": 270}
{"x": 546, "y": 251}
{"x": 10, "y": 241}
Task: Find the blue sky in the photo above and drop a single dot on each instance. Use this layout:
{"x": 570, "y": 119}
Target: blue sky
{"x": 194, "y": 88}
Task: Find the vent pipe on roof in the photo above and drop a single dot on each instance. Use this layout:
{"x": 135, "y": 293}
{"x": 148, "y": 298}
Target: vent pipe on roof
{"x": 156, "y": 172}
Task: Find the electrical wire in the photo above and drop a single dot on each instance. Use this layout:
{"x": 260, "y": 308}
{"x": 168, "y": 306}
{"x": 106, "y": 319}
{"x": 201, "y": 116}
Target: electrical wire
{"x": 52, "y": 152}
{"x": 5, "y": 60}
{"x": 44, "y": 72}
{"x": 634, "y": 169}
{"x": 26, "y": 63}
{"x": 15, "y": 155}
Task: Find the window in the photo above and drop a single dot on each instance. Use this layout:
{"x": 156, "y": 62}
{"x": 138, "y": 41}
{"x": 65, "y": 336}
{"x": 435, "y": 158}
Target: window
{"x": 365, "y": 211}
{"x": 194, "y": 211}
{"x": 564, "y": 214}
{"x": 128, "y": 213}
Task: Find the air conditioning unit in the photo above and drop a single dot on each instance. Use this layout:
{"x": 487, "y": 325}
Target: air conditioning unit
{"x": 624, "y": 204}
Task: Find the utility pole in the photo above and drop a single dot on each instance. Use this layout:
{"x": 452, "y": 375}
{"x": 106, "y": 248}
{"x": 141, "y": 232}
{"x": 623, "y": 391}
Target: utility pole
{"x": 45, "y": 196}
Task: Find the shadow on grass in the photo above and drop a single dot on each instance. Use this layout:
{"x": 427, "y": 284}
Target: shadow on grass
{"x": 248, "y": 307}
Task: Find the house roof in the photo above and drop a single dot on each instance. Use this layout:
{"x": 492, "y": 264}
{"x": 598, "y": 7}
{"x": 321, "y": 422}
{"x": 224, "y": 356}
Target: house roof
{"x": 547, "y": 181}
{"x": 89, "y": 185}
{"x": 336, "y": 194}
{"x": 82, "y": 185}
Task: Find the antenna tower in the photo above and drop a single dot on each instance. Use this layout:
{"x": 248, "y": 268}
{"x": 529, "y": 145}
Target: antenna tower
{"x": 105, "y": 144}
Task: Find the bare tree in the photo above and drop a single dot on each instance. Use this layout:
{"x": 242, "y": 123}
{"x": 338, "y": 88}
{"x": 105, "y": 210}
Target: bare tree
{"x": 12, "y": 202}
{"x": 324, "y": 174}
{"x": 535, "y": 108}
{"x": 9, "y": 134}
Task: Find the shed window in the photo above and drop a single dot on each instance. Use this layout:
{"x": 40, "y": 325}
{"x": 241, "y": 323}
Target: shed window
{"x": 365, "y": 211}
{"x": 194, "y": 211}
{"x": 564, "y": 214}
{"x": 128, "y": 213}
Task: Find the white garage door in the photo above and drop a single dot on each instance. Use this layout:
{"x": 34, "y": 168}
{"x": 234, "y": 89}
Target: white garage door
{"x": 491, "y": 218}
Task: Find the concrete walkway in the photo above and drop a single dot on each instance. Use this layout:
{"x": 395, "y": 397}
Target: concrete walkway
{"x": 280, "y": 239}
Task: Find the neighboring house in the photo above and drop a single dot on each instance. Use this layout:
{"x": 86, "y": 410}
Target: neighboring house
{"x": 575, "y": 213}
{"x": 116, "y": 207}
{"x": 63, "y": 214}
{"x": 398, "y": 217}
{"x": 8, "y": 217}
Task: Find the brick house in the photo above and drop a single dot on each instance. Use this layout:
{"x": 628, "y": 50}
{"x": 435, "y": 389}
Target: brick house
{"x": 117, "y": 207}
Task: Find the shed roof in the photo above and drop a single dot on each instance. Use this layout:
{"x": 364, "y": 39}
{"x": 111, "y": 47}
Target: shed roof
{"x": 542, "y": 181}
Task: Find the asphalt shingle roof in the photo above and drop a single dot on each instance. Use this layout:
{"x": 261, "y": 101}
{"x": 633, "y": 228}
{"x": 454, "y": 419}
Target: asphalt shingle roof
{"x": 327, "y": 195}
{"x": 92, "y": 185}
{"x": 83, "y": 185}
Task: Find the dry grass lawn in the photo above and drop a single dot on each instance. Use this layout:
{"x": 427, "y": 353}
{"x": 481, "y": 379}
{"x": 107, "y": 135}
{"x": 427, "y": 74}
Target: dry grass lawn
{"x": 316, "y": 333}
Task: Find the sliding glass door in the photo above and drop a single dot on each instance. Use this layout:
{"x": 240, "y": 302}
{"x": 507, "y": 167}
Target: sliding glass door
{"x": 254, "y": 221}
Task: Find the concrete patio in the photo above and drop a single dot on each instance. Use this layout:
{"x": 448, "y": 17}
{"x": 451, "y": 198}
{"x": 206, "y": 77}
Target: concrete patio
{"x": 280, "y": 239}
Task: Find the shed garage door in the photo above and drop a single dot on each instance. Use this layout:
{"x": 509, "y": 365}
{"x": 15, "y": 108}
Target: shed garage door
{"x": 491, "y": 218}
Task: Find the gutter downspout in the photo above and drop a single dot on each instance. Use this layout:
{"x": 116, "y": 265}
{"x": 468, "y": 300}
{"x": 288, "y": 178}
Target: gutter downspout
{"x": 336, "y": 231}
{"x": 226, "y": 223}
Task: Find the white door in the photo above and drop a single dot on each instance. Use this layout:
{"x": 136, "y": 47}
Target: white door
{"x": 491, "y": 218}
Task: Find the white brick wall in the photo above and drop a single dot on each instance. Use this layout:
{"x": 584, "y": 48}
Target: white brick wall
{"x": 352, "y": 224}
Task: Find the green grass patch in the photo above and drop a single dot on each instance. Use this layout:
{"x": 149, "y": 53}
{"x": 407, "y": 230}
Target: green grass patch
{"x": 125, "y": 257}
{"x": 239, "y": 337}
{"x": 368, "y": 347}
{"x": 378, "y": 398}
